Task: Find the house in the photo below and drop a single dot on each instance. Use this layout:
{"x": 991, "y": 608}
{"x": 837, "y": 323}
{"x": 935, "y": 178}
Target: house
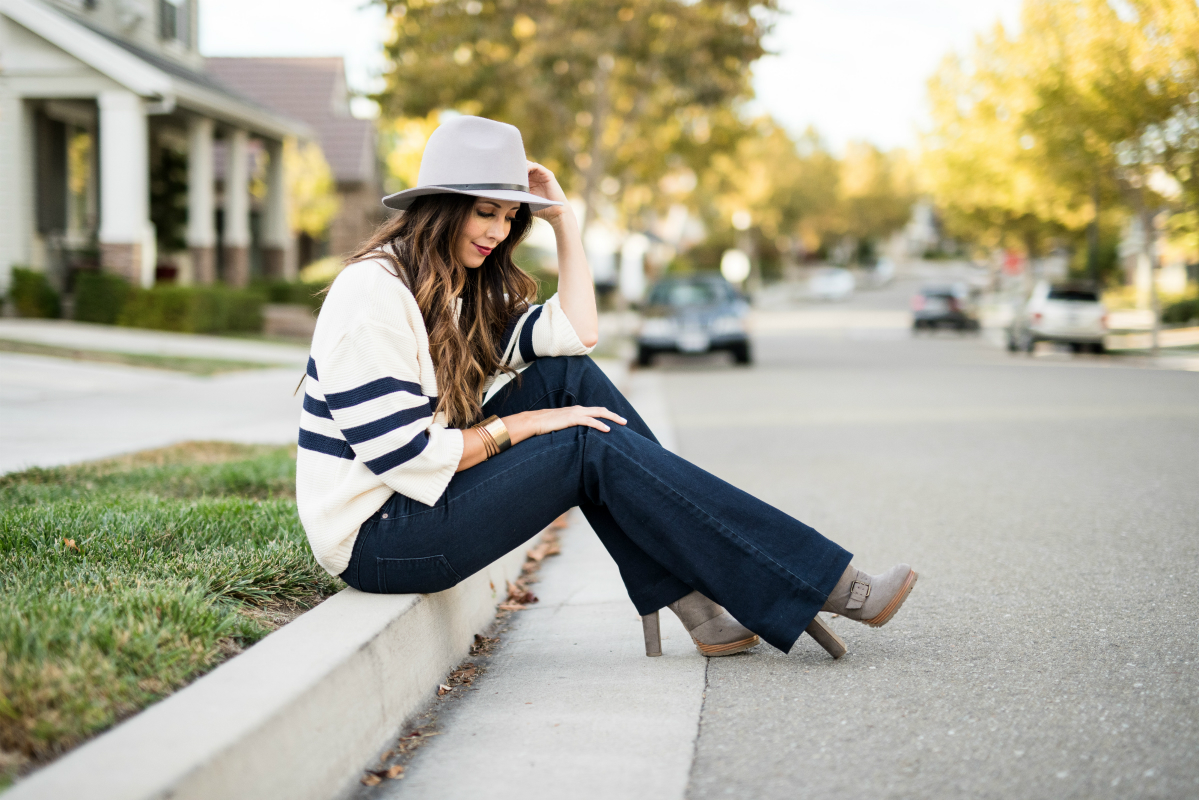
{"x": 108, "y": 127}
{"x": 314, "y": 90}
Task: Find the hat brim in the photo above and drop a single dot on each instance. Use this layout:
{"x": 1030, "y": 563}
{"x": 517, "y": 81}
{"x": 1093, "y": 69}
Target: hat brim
{"x": 402, "y": 200}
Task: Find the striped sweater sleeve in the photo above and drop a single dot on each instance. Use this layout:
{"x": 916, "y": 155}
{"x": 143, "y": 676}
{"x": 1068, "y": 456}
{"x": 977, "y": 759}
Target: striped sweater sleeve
{"x": 542, "y": 331}
{"x": 372, "y": 396}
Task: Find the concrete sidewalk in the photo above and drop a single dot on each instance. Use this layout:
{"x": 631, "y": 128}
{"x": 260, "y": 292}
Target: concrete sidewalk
{"x": 54, "y": 411}
{"x": 570, "y": 705}
{"x": 112, "y": 339}
{"x": 57, "y": 411}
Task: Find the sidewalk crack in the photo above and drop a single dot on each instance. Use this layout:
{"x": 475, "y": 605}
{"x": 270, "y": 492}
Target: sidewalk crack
{"x": 699, "y": 730}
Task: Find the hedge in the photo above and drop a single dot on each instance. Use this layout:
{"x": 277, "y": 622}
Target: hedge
{"x": 300, "y": 293}
{"x": 33, "y": 295}
{"x": 1181, "y": 312}
{"x": 194, "y": 309}
{"x": 100, "y": 297}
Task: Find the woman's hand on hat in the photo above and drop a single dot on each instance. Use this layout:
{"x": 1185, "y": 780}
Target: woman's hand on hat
{"x": 543, "y": 184}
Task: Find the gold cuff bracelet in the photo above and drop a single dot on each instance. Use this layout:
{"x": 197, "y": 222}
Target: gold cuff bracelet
{"x": 494, "y": 434}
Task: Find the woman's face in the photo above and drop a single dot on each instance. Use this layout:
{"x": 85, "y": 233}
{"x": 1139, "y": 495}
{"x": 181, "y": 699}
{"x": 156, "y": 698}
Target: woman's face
{"x": 487, "y": 226}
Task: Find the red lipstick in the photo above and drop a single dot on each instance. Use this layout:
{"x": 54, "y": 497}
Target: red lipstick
{"x": 486, "y": 251}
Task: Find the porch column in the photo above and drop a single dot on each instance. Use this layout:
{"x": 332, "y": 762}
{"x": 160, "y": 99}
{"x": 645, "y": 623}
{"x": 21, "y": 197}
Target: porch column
{"x": 237, "y": 209}
{"x": 16, "y": 198}
{"x": 201, "y": 224}
{"x": 126, "y": 235}
{"x": 276, "y": 231}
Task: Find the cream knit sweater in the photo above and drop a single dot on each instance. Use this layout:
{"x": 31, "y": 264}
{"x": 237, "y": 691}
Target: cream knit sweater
{"x": 367, "y": 428}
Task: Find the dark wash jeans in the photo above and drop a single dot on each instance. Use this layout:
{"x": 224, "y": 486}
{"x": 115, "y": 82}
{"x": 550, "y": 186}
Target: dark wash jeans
{"x": 670, "y": 526}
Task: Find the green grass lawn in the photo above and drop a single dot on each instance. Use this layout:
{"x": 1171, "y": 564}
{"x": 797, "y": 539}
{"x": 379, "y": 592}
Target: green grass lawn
{"x": 123, "y": 580}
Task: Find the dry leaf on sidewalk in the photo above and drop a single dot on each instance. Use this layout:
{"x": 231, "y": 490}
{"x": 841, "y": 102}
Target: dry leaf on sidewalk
{"x": 443, "y": 690}
{"x": 371, "y": 779}
{"x": 395, "y": 772}
{"x": 483, "y": 645}
{"x": 518, "y": 593}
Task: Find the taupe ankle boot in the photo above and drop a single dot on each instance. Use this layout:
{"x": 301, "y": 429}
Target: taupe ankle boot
{"x": 713, "y": 629}
{"x": 872, "y": 599}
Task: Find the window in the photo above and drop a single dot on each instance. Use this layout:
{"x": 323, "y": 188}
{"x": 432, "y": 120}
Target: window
{"x": 1075, "y": 295}
{"x": 173, "y": 19}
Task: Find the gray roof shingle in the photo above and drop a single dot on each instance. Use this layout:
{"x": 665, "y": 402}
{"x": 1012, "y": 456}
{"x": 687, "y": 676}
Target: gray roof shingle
{"x": 312, "y": 90}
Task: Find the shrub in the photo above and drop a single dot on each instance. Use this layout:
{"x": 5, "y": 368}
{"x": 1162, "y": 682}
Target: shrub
{"x": 310, "y": 294}
{"x": 1181, "y": 312}
{"x": 32, "y": 294}
{"x": 194, "y": 309}
{"x": 99, "y": 297}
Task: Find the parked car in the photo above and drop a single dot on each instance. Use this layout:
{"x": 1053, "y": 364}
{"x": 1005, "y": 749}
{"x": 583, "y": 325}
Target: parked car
{"x": 831, "y": 283}
{"x": 1069, "y": 313}
{"x": 945, "y": 306}
{"x": 694, "y": 314}
{"x": 883, "y": 272}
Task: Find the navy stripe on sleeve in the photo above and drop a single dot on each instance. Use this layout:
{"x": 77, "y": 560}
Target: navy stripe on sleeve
{"x": 526, "y": 336}
{"x": 370, "y": 391}
{"x": 325, "y": 444}
{"x": 312, "y": 369}
{"x": 507, "y": 337}
{"x": 317, "y": 408}
{"x": 396, "y": 457}
{"x": 373, "y": 430}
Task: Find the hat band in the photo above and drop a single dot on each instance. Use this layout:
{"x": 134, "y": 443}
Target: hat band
{"x": 476, "y": 187}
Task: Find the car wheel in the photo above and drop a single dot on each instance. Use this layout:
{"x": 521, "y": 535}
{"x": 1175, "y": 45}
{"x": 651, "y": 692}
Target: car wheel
{"x": 1012, "y": 345}
{"x": 741, "y": 353}
{"x": 1030, "y": 343}
{"x": 1098, "y": 348}
{"x": 645, "y": 356}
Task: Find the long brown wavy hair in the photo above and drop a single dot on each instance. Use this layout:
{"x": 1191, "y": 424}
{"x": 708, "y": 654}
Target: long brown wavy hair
{"x": 421, "y": 244}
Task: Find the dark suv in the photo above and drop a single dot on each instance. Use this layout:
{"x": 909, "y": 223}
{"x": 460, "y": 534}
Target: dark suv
{"x": 694, "y": 314}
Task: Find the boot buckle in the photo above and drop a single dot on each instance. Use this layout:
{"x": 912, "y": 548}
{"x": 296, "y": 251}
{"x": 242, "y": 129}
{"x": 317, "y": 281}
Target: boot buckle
{"x": 858, "y": 592}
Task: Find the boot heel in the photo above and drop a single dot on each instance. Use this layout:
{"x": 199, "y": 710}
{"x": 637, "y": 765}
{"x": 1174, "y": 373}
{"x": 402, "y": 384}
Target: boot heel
{"x": 653, "y": 634}
{"x": 819, "y": 630}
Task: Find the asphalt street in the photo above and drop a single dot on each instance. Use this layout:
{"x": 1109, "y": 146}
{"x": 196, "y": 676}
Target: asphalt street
{"x": 1049, "y": 650}
{"x": 1051, "y": 507}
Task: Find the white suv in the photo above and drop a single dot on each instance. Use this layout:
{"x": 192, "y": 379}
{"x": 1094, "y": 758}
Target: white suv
{"x": 1068, "y": 313}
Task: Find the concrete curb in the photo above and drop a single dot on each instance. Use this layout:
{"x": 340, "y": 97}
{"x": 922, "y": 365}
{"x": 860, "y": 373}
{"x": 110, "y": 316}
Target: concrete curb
{"x": 298, "y": 714}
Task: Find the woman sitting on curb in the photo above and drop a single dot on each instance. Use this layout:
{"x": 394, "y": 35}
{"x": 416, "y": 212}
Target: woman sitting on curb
{"x": 447, "y": 420}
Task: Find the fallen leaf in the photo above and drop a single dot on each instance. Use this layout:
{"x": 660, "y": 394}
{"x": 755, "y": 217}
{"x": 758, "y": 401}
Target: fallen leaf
{"x": 70, "y": 544}
{"x": 511, "y": 607}
{"x": 562, "y": 521}
{"x": 371, "y": 779}
{"x": 519, "y": 593}
{"x": 395, "y": 772}
{"x": 482, "y": 645}
{"x": 443, "y": 689}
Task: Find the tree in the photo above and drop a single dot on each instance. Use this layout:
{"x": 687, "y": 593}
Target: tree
{"x": 1085, "y": 108}
{"x": 612, "y": 95}
{"x": 311, "y": 188}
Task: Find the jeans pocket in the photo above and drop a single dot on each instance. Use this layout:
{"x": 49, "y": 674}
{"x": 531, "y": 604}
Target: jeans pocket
{"x": 415, "y": 575}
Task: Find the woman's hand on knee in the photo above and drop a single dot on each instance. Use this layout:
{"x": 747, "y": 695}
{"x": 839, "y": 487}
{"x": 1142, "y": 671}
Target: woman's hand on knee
{"x": 535, "y": 423}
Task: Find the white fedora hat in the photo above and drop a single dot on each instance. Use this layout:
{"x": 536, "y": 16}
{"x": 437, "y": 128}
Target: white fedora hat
{"x": 473, "y": 156}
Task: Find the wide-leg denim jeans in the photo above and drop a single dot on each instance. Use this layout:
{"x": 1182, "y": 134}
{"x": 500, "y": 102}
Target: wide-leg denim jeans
{"x": 670, "y": 526}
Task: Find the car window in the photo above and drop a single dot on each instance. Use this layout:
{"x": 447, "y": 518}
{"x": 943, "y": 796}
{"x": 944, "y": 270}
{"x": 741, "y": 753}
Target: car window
{"x": 684, "y": 294}
{"x": 1078, "y": 295}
